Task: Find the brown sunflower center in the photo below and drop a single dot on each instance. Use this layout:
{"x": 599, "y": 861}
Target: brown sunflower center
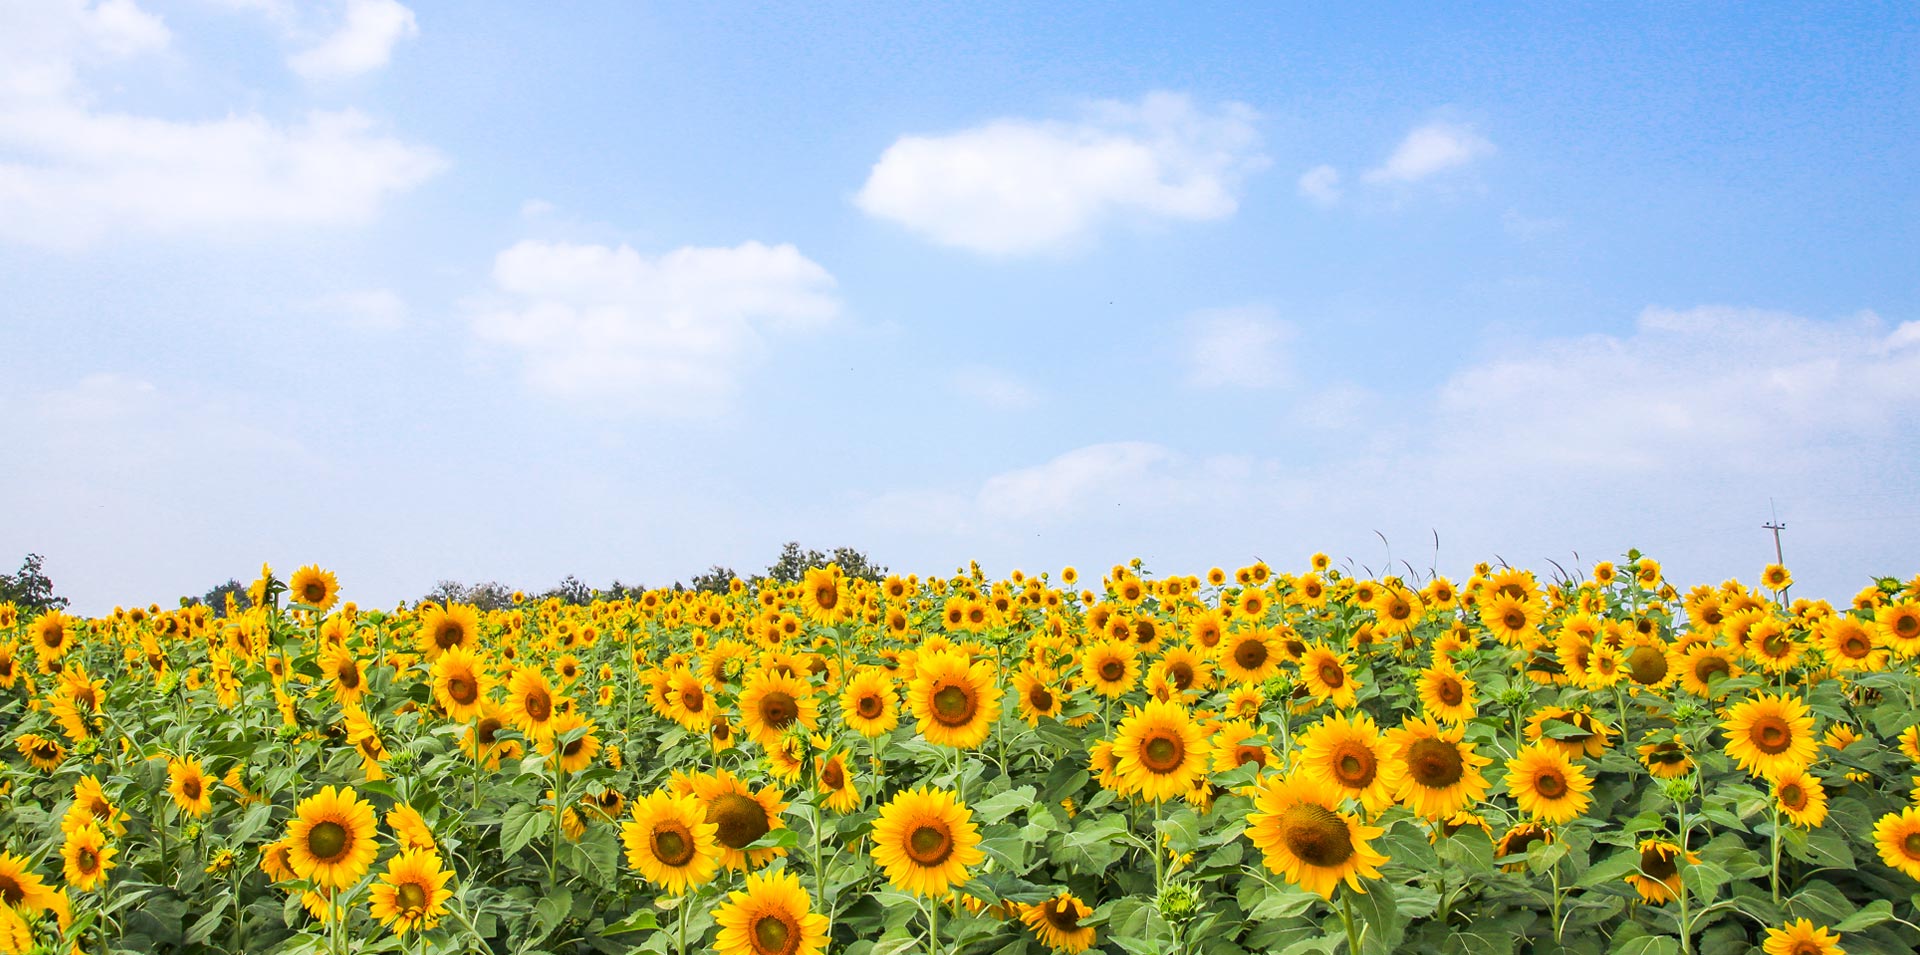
{"x": 87, "y": 859}
{"x": 870, "y": 707}
{"x": 1435, "y": 763}
{"x": 462, "y": 689}
{"x": 1646, "y": 665}
{"x": 449, "y": 634}
{"x": 1658, "y": 862}
{"x": 1244, "y": 754}
{"x": 1550, "y": 784}
{"x": 1710, "y": 666}
{"x": 739, "y": 819}
{"x": 1332, "y": 674}
{"x": 1855, "y": 646}
{"x": 834, "y": 776}
{"x": 489, "y": 728}
{"x": 190, "y": 788}
{"x": 1040, "y": 698}
{"x": 1111, "y": 670}
{"x": 1250, "y": 654}
{"x": 1907, "y": 625}
{"x": 1771, "y": 735}
{"x": 10, "y": 890}
{"x": 953, "y": 705}
{"x": 327, "y": 841}
{"x": 1793, "y": 797}
{"x": 672, "y": 844}
{"x": 1163, "y": 754}
{"x": 929, "y": 845}
{"x": 1063, "y": 915}
{"x": 314, "y": 592}
{"x": 779, "y": 709}
{"x": 349, "y": 675}
{"x": 1356, "y": 767}
{"x": 1514, "y": 619}
{"x": 692, "y": 698}
{"x": 1316, "y": 835}
{"x": 827, "y": 596}
{"x": 1911, "y": 845}
{"x": 1181, "y": 673}
{"x": 1450, "y": 691}
{"x": 539, "y": 705}
{"x": 412, "y": 896}
{"x": 771, "y": 933}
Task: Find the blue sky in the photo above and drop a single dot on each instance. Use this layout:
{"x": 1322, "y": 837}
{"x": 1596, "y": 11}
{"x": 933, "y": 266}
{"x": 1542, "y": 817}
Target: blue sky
{"x": 491, "y": 291}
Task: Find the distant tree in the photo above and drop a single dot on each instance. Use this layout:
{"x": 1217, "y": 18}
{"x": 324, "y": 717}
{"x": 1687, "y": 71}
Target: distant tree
{"x": 491, "y": 595}
{"x": 716, "y": 580}
{"x": 446, "y": 592}
{"x": 216, "y": 599}
{"x": 855, "y": 564}
{"x": 794, "y": 562}
{"x": 570, "y": 591}
{"x": 29, "y": 589}
{"x": 622, "y": 591}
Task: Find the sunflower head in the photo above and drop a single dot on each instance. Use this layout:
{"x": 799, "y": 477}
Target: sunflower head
{"x": 924, "y": 840}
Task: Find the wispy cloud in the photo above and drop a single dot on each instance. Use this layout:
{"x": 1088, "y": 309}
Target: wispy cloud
{"x": 1430, "y": 150}
{"x": 363, "y": 42}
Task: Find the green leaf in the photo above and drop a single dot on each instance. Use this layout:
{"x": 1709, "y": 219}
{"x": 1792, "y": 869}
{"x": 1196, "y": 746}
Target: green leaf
{"x": 639, "y": 921}
{"x": 522, "y": 824}
{"x": 1647, "y": 945}
{"x": 1877, "y": 911}
{"x": 997, "y": 808}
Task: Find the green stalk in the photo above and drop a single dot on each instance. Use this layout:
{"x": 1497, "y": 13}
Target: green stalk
{"x": 1346, "y": 919}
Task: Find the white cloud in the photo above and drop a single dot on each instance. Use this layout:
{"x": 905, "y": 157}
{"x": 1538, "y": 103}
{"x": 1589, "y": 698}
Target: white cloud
{"x": 1430, "y": 150}
{"x": 1019, "y": 186}
{"x": 666, "y": 334}
{"x": 71, "y": 173}
{"x": 536, "y": 208}
{"x": 369, "y": 310}
{"x": 993, "y": 387}
{"x": 1321, "y": 184}
{"x": 1236, "y": 348}
{"x": 363, "y": 43}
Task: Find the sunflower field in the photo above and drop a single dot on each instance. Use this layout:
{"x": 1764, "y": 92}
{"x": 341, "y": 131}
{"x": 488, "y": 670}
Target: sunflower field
{"x": 1252, "y": 762}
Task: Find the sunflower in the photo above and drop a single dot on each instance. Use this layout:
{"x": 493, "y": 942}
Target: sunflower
{"x": 1776, "y": 577}
{"x": 1658, "y": 877}
{"x": 1515, "y": 842}
{"x": 1239, "y": 742}
{"x": 1346, "y": 754}
{"x": 1159, "y": 751}
{"x": 1648, "y": 666}
{"x": 1801, "y": 798}
{"x": 835, "y": 782}
{"x": 687, "y": 701}
{"x": 1897, "y": 836}
{"x": 1445, "y": 693}
{"x": 339, "y": 667}
{"x": 1183, "y": 668}
{"x": 531, "y": 705}
{"x": 774, "y": 701}
{"x": 88, "y": 857}
{"x": 21, "y": 889}
{"x": 45, "y": 754}
{"x": 482, "y": 742}
{"x": 1111, "y": 667}
{"x": 1037, "y": 694}
{"x": 1772, "y": 645}
{"x": 90, "y": 805}
{"x": 1850, "y": 645}
{"x": 412, "y": 894}
{"x": 772, "y": 916}
{"x": 1325, "y": 675}
{"x": 954, "y": 702}
{"x": 924, "y": 839}
{"x": 823, "y": 594}
{"x": 187, "y": 782}
{"x": 1546, "y": 783}
{"x": 330, "y": 842}
{"x": 1573, "y": 732}
{"x": 1666, "y": 758}
{"x": 741, "y": 816}
{"x": 1303, "y": 835}
{"x": 580, "y": 742}
{"x": 446, "y": 626}
{"x": 1511, "y": 619}
{"x": 1770, "y": 735}
{"x": 671, "y": 843}
{"x": 1438, "y": 774}
{"x": 1899, "y": 626}
{"x": 314, "y": 587}
{"x": 1250, "y": 656}
{"x": 1801, "y": 937}
{"x": 1057, "y": 923}
{"x": 1702, "y": 665}
{"x": 460, "y": 683}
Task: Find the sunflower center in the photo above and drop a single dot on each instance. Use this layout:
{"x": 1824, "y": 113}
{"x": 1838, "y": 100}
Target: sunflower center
{"x": 1244, "y": 754}
{"x": 1646, "y": 665}
{"x": 1332, "y": 674}
{"x": 1112, "y": 670}
{"x": 771, "y": 934}
{"x": 573, "y": 748}
{"x": 1550, "y": 784}
{"x": 1450, "y": 692}
{"x": 10, "y": 890}
{"x": 778, "y": 709}
{"x": 489, "y": 727}
{"x": 1907, "y": 625}
{"x": 349, "y": 675}
{"x": 929, "y": 845}
{"x": 412, "y": 896}
{"x": 1317, "y": 835}
{"x": 1514, "y": 619}
{"x": 462, "y": 690}
{"x": 1063, "y": 915}
{"x": 1040, "y": 698}
{"x": 1771, "y": 735}
{"x": 834, "y": 776}
{"x": 869, "y": 707}
{"x": 1355, "y": 768}
{"x": 672, "y": 846}
{"x": 826, "y": 596}
{"x": 1709, "y": 667}
{"x": 1911, "y": 844}
{"x": 1855, "y": 647}
{"x": 1793, "y": 797}
{"x": 1163, "y": 754}
{"x": 539, "y": 706}
{"x": 327, "y": 841}
{"x": 1182, "y": 674}
{"x": 692, "y": 698}
{"x": 190, "y": 788}
{"x": 740, "y": 820}
{"x": 1250, "y": 654}
{"x": 88, "y": 859}
{"x": 314, "y": 592}
{"x": 1657, "y": 862}
{"x": 1435, "y": 764}
{"x": 953, "y": 705}
{"x": 449, "y": 634}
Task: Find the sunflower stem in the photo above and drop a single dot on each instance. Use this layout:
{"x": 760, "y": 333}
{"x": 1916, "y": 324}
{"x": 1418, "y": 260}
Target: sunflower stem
{"x": 1346, "y": 920}
{"x": 1774, "y": 880}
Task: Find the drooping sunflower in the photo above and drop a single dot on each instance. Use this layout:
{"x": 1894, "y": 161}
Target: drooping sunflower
{"x": 573, "y": 743}
{"x": 331, "y": 839}
{"x": 1110, "y": 667}
{"x": 1159, "y": 751}
{"x": 1658, "y": 877}
{"x": 1801, "y": 937}
{"x": 1057, "y": 923}
{"x": 410, "y": 828}
{"x": 1446, "y": 694}
{"x": 88, "y": 857}
{"x": 531, "y": 704}
{"x": 91, "y": 805}
{"x": 870, "y": 704}
{"x": 314, "y": 587}
{"x": 924, "y": 840}
{"x": 740, "y": 816}
{"x": 774, "y": 701}
{"x": 1250, "y": 656}
{"x": 1801, "y": 798}
{"x": 412, "y": 894}
{"x": 187, "y": 783}
{"x": 835, "y": 781}
{"x": 670, "y": 842}
{"x": 954, "y": 702}
{"x": 1347, "y": 754}
{"x": 1303, "y": 835}
{"x": 1437, "y": 774}
{"x": 45, "y": 754}
{"x": 21, "y": 888}
{"x": 1546, "y": 784}
{"x": 1515, "y": 842}
{"x": 1325, "y": 675}
{"x": 446, "y": 626}
{"x": 460, "y": 683}
{"x": 1667, "y": 757}
{"x": 1770, "y": 735}
{"x": 1573, "y": 732}
{"x": 772, "y": 916}
{"x": 1897, "y": 836}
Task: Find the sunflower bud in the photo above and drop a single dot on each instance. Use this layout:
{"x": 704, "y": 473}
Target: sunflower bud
{"x": 1511, "y": 698}
{"x": 1678, "y": 789}
{"x": 1178, "y": 902}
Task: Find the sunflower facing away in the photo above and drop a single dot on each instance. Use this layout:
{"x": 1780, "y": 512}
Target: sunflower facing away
{"x": 772, "y": 916}
{"x": 1056, "y": 923}
{"x": 1546, "y": 784}
{"x": 671, "y": 843}
{"x": 1658, "y": 877}
{"x": 1770, "y": 735}
{"x": 1438, "y": 774}
{"x": 331, "y": 839}
{"x": 412, "y": 894}
{"x": 924, "y": 840}
{"x": 1303, "y": 835}
{"x": 1160, "y": 751}
{"x": 954, "y": 702}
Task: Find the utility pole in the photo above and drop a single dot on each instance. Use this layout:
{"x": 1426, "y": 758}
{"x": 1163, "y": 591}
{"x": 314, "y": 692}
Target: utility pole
{"x": 1776, "y": 526}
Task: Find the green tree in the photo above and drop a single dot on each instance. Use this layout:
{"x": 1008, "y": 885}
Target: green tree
{"x": 216, "y": 599}
{"x": 30, "y": 589}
